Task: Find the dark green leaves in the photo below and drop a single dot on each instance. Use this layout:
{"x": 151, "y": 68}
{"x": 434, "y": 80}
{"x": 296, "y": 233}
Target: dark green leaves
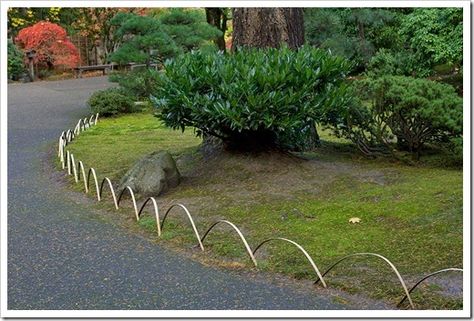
{"x": 252, "y": 90}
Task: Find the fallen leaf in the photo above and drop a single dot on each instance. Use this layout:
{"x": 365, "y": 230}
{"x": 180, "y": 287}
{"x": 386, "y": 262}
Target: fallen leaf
{"x": 354, "y": 220}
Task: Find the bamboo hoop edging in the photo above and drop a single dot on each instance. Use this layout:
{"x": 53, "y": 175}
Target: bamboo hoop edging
{"x": 130, "y": 191}
{"x": 402, "y": 282}
{"x": 190, "y": 220}
{"x": 426, "y": 277}
{"x": 112, "y": 191}
{"x": 305, "y": 253}
{"x": 84, "y": 177}
{"x": 247, "y": 247}
{"x": 92, "y": 170}
{"x": 74, "y": 169}
{"x": 157, "y": 214}
{"x": 68, "y": 162}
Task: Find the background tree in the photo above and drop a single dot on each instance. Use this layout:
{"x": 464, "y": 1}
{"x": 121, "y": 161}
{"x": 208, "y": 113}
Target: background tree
{"x": 434, "y": 35}
{"x": 188, "y": 28}
{"x": 267, "y": 27}
{"x": 143, "y": 40}
{"x": 95, "y": 24}
{"x": 272, "y": 27}
{"x": 19, "y": 18}
{"x": 15, "y": 65}
{"x": 218, "y": 18}
{"x": 51, "y": 44}
{"x": 354, "y": 33}
{"x": 148, "y": 39}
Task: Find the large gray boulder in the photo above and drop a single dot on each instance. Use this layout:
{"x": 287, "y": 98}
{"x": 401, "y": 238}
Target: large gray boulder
{"x": 152, "y": 175}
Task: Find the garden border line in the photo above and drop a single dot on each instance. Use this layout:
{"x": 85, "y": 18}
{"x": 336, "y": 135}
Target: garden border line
{"x": 247, "y": 247}
{"x": 66, "y": 157}
{"x": 402, "y": 282}
{"x": 426, "y": 277}
{"x": 310, "y": 259}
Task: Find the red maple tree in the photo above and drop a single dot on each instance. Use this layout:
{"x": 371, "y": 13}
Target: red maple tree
{"x": 51, "y": 44}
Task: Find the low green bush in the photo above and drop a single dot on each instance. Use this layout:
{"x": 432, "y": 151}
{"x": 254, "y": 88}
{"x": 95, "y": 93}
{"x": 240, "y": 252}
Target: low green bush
{"x": 110, "y": 102}
{"x": 254, "y": 98}
{"x": 404, "y": 113}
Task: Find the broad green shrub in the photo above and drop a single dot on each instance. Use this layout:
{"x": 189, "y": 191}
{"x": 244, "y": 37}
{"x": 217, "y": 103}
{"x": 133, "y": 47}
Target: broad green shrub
{"x": 254, "y": 98}
{"x": 110, "y": 102}
{"x": 403, "y": 110}
{"x": 15, "y": 66}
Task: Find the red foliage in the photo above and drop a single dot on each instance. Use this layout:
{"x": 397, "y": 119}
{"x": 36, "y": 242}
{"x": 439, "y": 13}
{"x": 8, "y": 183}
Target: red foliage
{"x": 51, "y": 43}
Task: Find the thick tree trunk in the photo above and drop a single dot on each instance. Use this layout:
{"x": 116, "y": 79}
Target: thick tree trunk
{"x": 267, "y": 27}
{"x": 217, "y": 17}
{"x": 271, "y": 27}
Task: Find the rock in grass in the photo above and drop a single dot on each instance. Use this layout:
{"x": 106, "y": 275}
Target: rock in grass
{"x": 152, "y": 175}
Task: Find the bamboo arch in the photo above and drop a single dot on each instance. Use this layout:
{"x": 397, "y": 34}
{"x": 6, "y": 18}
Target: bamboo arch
{"x": 130, "y": 191}
{"x": 402, "y": 282}
{"x": 308, "y": 257}
{"x": 426, "y": 277}
{"x": 247, "y": 247}
{"x": 190, "y": 220}
{"x": 157, "y": 214}
{"x": 111, "y": 188}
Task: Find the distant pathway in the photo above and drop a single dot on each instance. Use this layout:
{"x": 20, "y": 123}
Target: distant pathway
{"x": 61, "y": 257}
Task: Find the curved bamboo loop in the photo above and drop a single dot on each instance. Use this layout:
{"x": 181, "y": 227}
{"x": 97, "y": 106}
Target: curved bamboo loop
{"x": 60, "y": 144}
{"x": 74, "y": 169}
{"x": 247, "y": 247}
{"x": 84, "y": 177}
{"x": 69, "y": 134}
{"x": 90, "y": 120}
{"x": 96, "y": 118}
{"x": 190, "y": 220}
{"x": 133, "y": 199}
{"x": 157, "y": 214}
{"x": 426, "y": 277}
{"x": 112, "y": 191}
{"x": 91, "y": 170}
{"x": 61, "y": 152}
{"x": 81, "y": 125}
{"x": 86, "y": 123}
{"x": 308, "y": 257}
{"x": 402, "y": 282}
{"x": 68, "y": 162}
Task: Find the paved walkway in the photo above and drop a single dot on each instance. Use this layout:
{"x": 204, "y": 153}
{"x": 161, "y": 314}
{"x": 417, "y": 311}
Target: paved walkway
{"x": 60, "y": 256}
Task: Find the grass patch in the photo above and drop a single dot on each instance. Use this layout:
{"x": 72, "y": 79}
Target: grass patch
{"x": 116, "y": 143}
{"x": 410, "y": 214}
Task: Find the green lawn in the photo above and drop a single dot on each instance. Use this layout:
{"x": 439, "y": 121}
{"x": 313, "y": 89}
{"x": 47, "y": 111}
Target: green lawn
{"x": 410, "y": 214}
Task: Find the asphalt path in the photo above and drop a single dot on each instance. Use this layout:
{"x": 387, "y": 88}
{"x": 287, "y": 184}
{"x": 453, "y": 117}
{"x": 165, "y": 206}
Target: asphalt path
{"x": 61, "y": 257}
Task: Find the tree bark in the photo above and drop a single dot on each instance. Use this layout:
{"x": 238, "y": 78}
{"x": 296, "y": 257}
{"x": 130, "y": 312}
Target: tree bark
{"x": 267, "y": 27}
{"x": 271, "y": 27}
{"x": 217, "y": 17}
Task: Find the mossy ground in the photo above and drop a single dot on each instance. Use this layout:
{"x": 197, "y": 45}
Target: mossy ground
{"x": 410, "y": 214}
